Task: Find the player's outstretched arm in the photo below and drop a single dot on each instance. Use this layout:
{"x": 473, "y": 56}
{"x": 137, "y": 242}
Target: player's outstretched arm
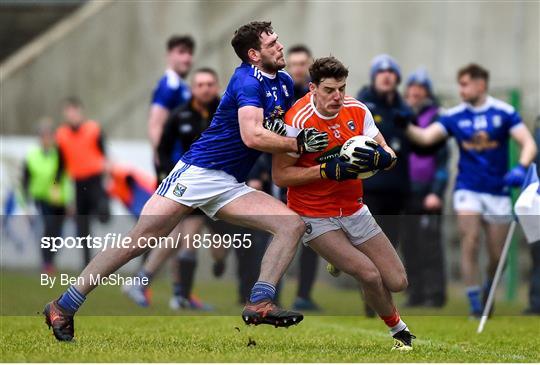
{"x": 255, "y": 136}
{"x": 285, "y": 174}
{"x": 529, "y": 149}
{"x": 428, "y": 136}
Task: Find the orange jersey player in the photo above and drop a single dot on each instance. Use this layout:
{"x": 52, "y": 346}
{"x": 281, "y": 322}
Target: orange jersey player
{"x": 325, "y": 192}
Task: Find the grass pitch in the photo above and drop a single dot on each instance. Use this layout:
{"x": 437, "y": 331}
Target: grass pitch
{"x": 188, "y": 338}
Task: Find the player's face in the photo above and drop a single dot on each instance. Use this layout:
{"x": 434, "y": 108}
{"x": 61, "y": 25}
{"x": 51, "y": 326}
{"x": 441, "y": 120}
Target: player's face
{"x": 72, "y": 114}
{"x": 271, "y": 53}
{"x": 416, "y": 96}
{"x": 298, "y": 66}
{"x": 180, "y": 59}
{"x": 204, "y": 87}
{"x": 471, "y": 90}
{"x": 385, "y": 81}
{"x": 329, "y": 95}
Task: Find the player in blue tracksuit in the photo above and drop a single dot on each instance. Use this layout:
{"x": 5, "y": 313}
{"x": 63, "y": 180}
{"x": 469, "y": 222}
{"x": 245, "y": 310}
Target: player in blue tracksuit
{"x": 211, "y": 176}
{"x": 482, "y": 127}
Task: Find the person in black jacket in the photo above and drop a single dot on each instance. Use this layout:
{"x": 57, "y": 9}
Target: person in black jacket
{"x": 386, "y": 193}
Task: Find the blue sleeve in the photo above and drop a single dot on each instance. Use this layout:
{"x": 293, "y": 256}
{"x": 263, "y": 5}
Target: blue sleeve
{"x": 446, "y": 122}
{"x": 164, "y": 96}
{"x": 513, "y": 119}
{"x": 248, "y": 93}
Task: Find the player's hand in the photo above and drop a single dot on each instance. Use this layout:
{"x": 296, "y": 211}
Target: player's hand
{"x": 516, "y": 176}
{"x": 338, "y": 169}
{"x": 275, "y": 125}
{"x": 375, "y": 158}
{"x": 311, "y": 140}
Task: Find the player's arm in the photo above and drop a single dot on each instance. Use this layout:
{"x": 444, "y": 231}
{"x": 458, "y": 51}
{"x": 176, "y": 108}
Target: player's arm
{"x": 255, "y": 136}
{"x": 425, "y": 137}
{"x": 285, "y": 173}
{"x": 156, "y": 120}
{"x": 523, "y": 137}
{"x": 516, "y": 176}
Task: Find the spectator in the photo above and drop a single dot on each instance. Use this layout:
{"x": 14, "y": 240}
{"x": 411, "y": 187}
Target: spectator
{"x": 81, "y": 146}
{"x": 46, "y": 183}
{"x": 386, "y": 193}
{"x": 428, "y": 174}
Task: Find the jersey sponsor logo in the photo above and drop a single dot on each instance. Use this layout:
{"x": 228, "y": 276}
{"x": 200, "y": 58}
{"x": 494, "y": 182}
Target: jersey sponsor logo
{"x": 179, "y": 189}
{"x": 497, "y": 121}
{"x": 351, "y": 125}
{"x": 268, "y": 94}
{"x": 330, "y": 154}
{"x": 464, "y": 123}
{"x": 480, "y": 142}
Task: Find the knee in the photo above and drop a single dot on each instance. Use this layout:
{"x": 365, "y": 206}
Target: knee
{"x": 369, "y": 278}
{"x": 400, "y": 283}
{"x": 293, "y": 228}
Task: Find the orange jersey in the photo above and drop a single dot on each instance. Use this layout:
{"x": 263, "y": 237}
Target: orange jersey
{"x": 328, "y": 198}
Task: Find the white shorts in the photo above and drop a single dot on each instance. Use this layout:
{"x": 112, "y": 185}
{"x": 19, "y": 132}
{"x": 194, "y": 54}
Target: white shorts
{"x": 494, "y": 208}
{"x": 197, "y": 187}
{"x": 359, "y": 227}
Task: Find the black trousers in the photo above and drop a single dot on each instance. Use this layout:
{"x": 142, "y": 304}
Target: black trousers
{"x": 53, "y": 220}
{"x": 91, "y": 201}
{"x": 423, "y": 253}
{"x": 387, "y": 208}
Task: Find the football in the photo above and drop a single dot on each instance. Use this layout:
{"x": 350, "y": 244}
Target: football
{"x": 348, "y": 148}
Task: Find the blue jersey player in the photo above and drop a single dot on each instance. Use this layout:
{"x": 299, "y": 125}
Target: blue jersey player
{"x": 482, "y": 127}
{"x": 211, "y": 176}
{"x": 171, "y": 90}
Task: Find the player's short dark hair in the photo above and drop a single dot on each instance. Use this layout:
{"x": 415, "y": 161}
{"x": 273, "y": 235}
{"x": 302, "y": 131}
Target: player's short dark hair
{"x": 72, "y": 101}
{"x": 206, "y": 70}
{"x": 249, "y": 36}
{"x": 327, "y": 67}
{"x": 186, "y": 41}
{"x": 475, "y": 71}
{"x": 299, "y": 48}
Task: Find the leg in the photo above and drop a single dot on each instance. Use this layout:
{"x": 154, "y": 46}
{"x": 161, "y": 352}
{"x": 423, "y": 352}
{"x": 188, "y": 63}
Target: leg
{"x": 306, "y": 278}
{"x": 336, "y": 248}
{"x": 283, "y": 223}
{"x": 469, "y": 232}
{"x": 534, "y": 290}
{"x": 495, "y": 235}
{"x": 159, "y": 216}
{"x": 385, "y": 258}
{"x": 287, "y": 227}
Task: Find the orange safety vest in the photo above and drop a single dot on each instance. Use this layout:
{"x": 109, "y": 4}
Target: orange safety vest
{"x": 80, "y": 148}
{"x": 119, "y": 188}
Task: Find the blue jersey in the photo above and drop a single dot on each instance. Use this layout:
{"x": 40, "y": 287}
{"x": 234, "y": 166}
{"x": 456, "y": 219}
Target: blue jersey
{"x": 482, "y": 134}
{"x": 220, "y": 146}
{"x": 171, "y": 91}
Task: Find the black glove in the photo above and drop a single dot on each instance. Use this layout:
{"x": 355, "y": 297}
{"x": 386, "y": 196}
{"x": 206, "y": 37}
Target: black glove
{"x": 275, "y": 125}
{"x": 373, "y": 159}
{"x": 338, "y": 169}
{"x": 311, "y": 140}
{"x": 402, "y": 119}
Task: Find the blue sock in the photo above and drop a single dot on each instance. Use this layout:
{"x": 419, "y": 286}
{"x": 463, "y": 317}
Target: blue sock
{"x": 71, "y": 300}
{"x": 144, "y": 274}
{"x": 262, "y": 290}
{"x": 473, "y": 293}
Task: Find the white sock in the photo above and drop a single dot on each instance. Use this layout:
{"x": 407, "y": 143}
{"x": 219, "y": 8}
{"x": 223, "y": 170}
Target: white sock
{"x": 398, "y": 327}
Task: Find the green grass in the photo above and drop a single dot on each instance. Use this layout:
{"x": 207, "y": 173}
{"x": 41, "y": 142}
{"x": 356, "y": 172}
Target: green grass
{"x": 188, "y": 338}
